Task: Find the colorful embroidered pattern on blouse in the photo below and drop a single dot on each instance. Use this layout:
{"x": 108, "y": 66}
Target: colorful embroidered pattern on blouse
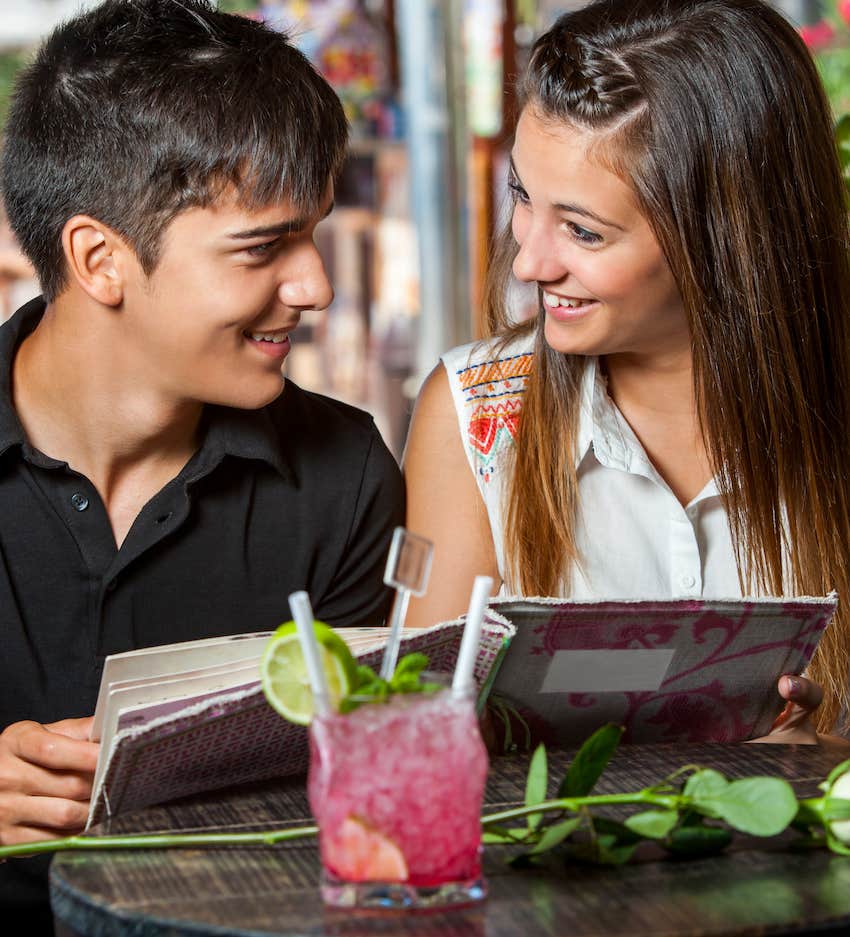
{"x": 493, "y": 396}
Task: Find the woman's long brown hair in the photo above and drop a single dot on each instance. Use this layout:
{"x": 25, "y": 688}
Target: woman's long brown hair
{"x": 713, "y": 111}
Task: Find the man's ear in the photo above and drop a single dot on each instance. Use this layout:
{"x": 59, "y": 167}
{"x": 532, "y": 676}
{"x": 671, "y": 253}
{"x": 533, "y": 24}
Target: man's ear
{"x": 97, "y": 258}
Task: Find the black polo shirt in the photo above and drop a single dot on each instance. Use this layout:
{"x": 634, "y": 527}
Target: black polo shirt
{"x": 301, "y": 494}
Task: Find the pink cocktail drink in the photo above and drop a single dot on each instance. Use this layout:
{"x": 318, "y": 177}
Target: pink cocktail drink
{"x": 396, "y": 788}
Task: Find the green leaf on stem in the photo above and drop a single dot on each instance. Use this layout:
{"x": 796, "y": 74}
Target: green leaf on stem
{"x": 411, "y": 665}
{"x": 835, "y": 808}
{"x": 758, "y": 806}
{"x": 702, "y": 787}
{"x": 535, "y": 785}
{"x": 500, "y": 835}
{"x": 697, "y": 840}
{"x": 807, "y": 816}
{"x": 653, "y": 824}
{"x": 836, "y": 845}
{"x": 590, "y": 761}
{"x": 603, "y": 850}
{"x": 365, "y": 675}
{"x": 844, "y": 767}
{"x": 555, "y": 834}
{"x": 605, "y": 826}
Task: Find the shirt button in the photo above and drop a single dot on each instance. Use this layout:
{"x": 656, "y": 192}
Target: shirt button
{"x": 688, "y": 582}
{"x": 80, "y": 501}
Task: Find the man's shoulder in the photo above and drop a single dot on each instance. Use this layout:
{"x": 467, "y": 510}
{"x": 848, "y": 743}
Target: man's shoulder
{"x": 319, "y": 412}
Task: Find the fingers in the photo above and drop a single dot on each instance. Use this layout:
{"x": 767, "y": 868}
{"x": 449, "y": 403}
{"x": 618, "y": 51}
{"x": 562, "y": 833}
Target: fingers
{"x": 18, "y": 835}
{"x": 73, "y": 728}
{"x": 793, "y": 726}
{"x": 50, "y": 816}
{"x": 800, "y": 691}
{"x": 21, "y": 777}
{"x": 46, "y": 777}
{"x": 37, "y": 744}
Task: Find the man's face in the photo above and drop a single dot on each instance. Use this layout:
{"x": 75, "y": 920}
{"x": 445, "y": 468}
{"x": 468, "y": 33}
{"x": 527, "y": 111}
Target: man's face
{"x": 211, "y": 323}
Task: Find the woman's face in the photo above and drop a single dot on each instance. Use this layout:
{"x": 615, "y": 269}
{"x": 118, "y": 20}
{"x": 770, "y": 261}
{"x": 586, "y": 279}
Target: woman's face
{"x": 607, "y": 288}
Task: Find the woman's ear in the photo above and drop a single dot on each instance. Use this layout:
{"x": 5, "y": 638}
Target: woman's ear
{"x": 94, "y": 254}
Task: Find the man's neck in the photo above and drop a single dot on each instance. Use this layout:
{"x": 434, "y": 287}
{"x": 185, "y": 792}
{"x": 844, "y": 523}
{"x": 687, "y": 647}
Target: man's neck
{"x": 79, "y": 403}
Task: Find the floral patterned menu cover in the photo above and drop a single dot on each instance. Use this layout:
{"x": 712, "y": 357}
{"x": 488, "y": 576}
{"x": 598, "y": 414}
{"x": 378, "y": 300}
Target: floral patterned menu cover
{"x": 232, "y": 737}
{"x": 678, "y": 670}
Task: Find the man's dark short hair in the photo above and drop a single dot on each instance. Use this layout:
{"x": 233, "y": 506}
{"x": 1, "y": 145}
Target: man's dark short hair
{"x": 140, "y": 109}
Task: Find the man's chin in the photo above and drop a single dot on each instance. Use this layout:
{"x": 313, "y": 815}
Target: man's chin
{"x": 250, "y": 398}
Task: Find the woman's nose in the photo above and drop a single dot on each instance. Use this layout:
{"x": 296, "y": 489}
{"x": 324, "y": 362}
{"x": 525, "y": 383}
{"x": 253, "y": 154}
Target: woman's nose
{"x": 537, "y": 258}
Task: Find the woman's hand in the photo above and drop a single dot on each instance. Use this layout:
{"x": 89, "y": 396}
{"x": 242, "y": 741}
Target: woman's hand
{"x": 46, "y": 774}
{"x": 793, "y": 726}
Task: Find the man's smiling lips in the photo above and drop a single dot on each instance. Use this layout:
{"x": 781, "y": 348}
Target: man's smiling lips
{"x": 273, "y": 344}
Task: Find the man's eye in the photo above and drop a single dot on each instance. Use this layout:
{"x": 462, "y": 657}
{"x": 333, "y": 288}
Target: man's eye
{"x": 262, "y": 250}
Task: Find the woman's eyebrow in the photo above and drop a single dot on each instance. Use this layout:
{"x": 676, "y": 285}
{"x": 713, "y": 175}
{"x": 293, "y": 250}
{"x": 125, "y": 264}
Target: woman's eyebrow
{"x": 572, "y": 207}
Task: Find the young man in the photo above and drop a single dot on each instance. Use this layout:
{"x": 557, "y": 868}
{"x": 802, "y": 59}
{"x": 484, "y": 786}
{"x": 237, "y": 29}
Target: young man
{"x": 164, "y": 169}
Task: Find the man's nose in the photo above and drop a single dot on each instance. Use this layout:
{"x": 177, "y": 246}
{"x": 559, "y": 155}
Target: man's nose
{"x": 305, "y": 284}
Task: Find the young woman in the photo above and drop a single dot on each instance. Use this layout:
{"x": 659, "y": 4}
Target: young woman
{"x": 675, "y": 421}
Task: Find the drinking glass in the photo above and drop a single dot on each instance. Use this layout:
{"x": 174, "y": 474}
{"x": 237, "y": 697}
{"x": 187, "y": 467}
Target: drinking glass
{"x": 396, "y": 788}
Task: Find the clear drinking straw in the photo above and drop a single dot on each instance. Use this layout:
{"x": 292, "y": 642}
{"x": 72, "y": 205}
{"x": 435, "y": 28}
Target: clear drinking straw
{"x": 302, "y": 612}
{"x": 463, "y": 684}
{"x": 407, "y": 570}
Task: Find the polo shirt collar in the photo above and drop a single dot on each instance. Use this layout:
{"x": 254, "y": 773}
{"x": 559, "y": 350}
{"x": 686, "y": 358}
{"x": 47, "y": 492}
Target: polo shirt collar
{"x": 12, "y": 333}
{"x": 245, "y": 434}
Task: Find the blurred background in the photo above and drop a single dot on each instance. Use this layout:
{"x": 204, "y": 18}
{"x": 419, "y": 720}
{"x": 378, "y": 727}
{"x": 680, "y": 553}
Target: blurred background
{"x": 427, "y": 85}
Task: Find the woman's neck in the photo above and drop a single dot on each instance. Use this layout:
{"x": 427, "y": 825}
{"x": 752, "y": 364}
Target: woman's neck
{"x": 656, "y": 398}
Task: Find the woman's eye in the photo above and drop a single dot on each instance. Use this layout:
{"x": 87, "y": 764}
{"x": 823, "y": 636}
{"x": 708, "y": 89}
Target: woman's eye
{"x": 518, "y": 193}
{"x": 582, "y": 234}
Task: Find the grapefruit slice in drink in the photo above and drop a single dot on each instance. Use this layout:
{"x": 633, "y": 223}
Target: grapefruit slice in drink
{"x": 358, "y": 853}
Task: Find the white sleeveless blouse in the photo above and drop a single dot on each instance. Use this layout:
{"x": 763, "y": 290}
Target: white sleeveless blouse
{"x": 634, "y": 537}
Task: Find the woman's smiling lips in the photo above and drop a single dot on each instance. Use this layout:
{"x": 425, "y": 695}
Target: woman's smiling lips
{"x": 566, "y": 308}
{"x": 274, "y": 344}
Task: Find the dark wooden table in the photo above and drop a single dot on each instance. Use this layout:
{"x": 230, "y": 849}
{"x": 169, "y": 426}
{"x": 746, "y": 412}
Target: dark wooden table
{"x": 251, "y": 891}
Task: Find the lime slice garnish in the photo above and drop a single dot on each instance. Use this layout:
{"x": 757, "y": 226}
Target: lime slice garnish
{"x": 283, "y": 671}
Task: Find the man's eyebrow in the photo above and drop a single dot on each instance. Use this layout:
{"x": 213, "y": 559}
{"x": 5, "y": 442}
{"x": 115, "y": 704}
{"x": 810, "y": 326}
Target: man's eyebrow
{"x": 573, "y": 208}
{"x": 290, "y": 226}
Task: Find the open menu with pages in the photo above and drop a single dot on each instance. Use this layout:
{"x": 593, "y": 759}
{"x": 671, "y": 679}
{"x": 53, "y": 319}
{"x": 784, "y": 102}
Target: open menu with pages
{"x": 185, "y": 718}
{"x": 683, "y": 670}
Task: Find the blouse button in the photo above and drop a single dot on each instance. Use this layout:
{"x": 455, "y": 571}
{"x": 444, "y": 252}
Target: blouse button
{"x": 688, "y": 582}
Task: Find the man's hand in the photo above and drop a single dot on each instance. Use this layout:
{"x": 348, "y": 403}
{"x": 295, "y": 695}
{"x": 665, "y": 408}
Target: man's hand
{"x": 46, "y": 774}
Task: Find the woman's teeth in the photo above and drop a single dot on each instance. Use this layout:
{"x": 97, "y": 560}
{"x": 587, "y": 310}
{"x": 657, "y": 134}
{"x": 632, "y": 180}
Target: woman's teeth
{"x": 276, "y": 338}
{"x": 554, "y": 301}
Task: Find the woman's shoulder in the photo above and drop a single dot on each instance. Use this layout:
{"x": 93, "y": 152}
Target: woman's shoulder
{"x": 490, "y": 368}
